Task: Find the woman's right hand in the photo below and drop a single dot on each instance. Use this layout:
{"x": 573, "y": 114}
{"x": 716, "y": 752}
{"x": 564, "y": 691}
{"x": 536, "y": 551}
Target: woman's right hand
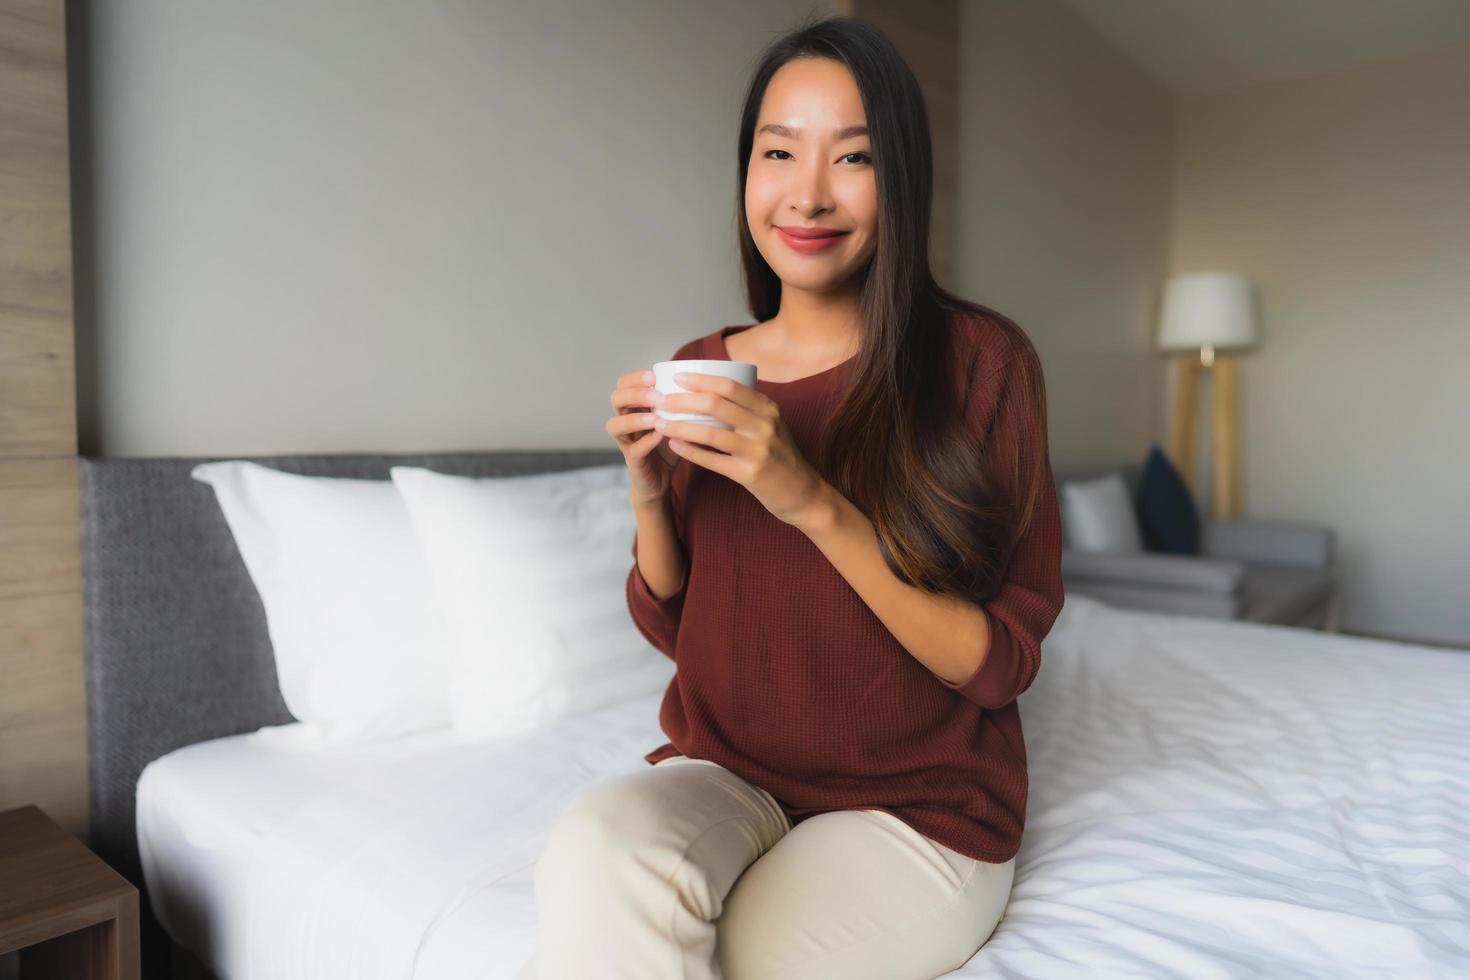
{"x": 650, "y": 461}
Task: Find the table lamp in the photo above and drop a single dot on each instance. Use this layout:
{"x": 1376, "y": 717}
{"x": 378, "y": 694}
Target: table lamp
{"x": 1202, "y": 312}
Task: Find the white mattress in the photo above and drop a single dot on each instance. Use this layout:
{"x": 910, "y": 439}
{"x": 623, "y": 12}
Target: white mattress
{"x": 1208, "y": 799}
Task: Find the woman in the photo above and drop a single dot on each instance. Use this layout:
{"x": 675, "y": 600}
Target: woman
{"x": 853, "y": 583}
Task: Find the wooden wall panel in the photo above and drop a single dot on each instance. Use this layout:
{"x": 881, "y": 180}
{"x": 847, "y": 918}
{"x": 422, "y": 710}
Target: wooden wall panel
{"x": 42, "y": 701}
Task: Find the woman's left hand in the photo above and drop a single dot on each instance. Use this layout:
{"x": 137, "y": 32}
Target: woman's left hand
{"x": 762, "y": 456}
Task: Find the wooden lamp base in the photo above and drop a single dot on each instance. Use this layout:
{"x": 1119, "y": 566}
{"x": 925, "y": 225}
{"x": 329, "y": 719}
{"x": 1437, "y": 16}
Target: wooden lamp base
{"x": 1225, "y": 438}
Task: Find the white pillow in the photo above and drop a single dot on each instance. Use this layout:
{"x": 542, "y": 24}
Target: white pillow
{"x": 360, "y": 644}
{"x": 532, "y": 572}
{"x": 1098, "y": 515}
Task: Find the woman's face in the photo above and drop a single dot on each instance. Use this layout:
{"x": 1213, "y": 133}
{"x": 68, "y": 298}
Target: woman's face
{"x": 809, "y": 169}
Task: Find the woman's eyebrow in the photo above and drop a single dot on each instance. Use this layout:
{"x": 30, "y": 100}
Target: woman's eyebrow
{"x": 791, "y": 131}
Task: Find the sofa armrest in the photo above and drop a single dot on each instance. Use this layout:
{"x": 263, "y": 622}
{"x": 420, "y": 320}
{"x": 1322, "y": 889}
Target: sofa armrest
{"x": 1274, "y": 542}
{"x": 1152, "y": 568}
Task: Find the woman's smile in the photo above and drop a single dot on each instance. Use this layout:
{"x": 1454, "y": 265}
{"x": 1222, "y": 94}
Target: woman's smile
{"x": 808, "y": 245}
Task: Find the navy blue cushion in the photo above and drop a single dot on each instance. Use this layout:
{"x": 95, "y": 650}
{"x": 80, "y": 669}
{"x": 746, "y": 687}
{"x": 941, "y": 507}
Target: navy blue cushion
{"x": 1166, "y": 513}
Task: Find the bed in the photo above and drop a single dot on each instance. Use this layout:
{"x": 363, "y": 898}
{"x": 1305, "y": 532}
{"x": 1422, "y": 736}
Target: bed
{"x": 1208, "y": 798}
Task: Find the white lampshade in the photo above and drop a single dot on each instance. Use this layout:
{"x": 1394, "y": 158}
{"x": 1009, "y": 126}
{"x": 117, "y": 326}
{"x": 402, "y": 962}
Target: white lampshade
{"x": 1201, "y": 309}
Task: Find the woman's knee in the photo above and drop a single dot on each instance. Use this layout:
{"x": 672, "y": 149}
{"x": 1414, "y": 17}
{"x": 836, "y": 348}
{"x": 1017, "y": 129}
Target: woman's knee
{"x": 793, "y": 912}
{"x": 602, "y": 824}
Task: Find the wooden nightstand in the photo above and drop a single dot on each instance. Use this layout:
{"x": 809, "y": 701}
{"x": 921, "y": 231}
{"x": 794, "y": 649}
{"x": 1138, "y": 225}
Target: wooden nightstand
{"x": 69, "y": 914}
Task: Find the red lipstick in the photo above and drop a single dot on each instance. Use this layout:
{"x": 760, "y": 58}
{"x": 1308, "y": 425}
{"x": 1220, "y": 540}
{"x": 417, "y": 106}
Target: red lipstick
{"x": 808, "y": 240}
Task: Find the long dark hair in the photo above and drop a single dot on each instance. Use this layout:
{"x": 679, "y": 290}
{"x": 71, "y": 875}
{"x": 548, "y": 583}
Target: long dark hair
{"x": 898, "y": 447}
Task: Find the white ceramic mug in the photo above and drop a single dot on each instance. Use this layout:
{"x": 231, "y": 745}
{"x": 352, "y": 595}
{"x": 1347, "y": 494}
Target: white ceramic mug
{"x": 663, "y": 380}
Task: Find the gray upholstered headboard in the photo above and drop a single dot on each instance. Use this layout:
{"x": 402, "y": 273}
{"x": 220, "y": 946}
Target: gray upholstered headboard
{"x": 176, "y": 645}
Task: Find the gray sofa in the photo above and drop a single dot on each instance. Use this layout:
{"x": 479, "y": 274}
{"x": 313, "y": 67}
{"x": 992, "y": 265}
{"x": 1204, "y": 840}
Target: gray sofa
{"x": 1258, "y": 570}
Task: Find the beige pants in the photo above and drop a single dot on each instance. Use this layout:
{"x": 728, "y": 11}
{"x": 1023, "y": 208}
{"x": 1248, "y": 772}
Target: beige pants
{"x": 685, "y": 870}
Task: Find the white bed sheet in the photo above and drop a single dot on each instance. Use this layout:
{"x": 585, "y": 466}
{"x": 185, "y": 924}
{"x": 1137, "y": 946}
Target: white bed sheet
{"x": 1208, "y": 799}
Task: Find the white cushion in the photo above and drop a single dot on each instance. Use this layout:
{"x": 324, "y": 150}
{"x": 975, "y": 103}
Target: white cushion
{"x": 359, "y": 641}
{"x": 531, "y": 572}
{"x": 1098, "y": 515}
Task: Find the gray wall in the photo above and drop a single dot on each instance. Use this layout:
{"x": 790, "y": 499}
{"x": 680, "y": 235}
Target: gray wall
{"x": 1064, "y": 215}
{"x": 342, "y": 226}
{"x": 1345, "y": 198}
{"x": 346, "y": 226}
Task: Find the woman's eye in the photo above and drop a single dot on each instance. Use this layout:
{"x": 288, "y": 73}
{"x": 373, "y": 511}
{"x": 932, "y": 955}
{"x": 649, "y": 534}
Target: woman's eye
{"x": 865, "y": 157}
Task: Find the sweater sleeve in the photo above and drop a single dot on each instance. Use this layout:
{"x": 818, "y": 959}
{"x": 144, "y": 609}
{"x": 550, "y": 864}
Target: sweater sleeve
{"x": 1030, "y": 598}
{"x": 657, "y": 619}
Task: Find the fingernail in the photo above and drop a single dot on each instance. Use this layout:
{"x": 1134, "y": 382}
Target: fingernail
{"x": 648, "y": 376}
{"x": 681, "y": 376}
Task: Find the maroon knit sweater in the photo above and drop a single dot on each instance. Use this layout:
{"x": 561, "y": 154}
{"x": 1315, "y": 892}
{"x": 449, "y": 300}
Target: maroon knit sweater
{"x": 784, "y": 675}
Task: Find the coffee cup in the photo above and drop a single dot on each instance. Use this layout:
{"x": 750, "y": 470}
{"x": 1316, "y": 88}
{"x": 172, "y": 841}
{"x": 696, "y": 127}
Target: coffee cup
{"x": 663, "y": 380}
